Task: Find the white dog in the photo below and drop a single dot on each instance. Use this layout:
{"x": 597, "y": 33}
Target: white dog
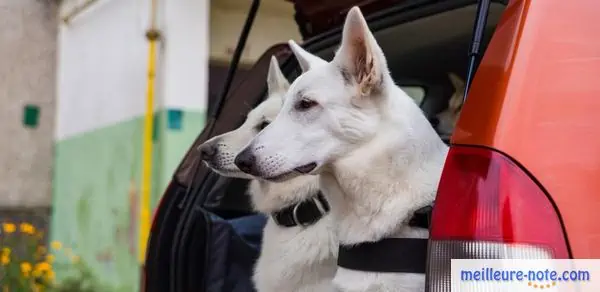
{"x": 448, "y": 117}
{"x": 293, "y": 258}
{"x": 377, "y": 156}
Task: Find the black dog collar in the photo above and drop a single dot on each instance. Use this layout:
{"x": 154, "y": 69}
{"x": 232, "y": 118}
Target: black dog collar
{"x": 302, "y": 214}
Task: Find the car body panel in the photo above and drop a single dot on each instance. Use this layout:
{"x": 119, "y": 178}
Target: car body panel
{"x": 536, "y": 97}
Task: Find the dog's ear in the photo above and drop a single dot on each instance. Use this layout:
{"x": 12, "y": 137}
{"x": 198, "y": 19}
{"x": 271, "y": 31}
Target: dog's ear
{"x": 306, "y": 60}
{"x": 456, "y": 101}
{"x": 359, "y": 56}
{"x": 459, "y": 88}
{"x": 276, "y": 82}
{"x": 457, "y": 82}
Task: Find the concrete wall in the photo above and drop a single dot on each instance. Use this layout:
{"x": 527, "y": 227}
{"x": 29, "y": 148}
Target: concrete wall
{"x": 185, "y": 80}
{"x": 100, "y": 113}
{"x": 102, "y": 97}
{"x": 28, "y": 33}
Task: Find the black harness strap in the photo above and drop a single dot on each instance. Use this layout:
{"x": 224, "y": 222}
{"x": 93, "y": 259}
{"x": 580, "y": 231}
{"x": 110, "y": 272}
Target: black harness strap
{"x": 304, "y": 213}
{"x": 421, "y": 218}
{"x": 390, "y": 255}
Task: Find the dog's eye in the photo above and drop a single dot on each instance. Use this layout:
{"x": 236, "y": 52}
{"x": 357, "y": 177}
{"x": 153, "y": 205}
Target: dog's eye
{"x": 262, "y": 125}
{"x": 305, "y": 104}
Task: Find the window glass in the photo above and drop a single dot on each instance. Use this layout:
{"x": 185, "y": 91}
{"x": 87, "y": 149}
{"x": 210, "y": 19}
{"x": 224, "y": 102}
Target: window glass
{"x": 415, "y": 92}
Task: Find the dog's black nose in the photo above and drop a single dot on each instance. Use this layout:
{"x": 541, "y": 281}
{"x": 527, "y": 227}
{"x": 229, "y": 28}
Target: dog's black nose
{"x": 207, "y": 151}
{"x": 246, "y": 161}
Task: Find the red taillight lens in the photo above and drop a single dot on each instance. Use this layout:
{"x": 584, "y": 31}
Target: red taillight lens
{"x": 487, "y": 207}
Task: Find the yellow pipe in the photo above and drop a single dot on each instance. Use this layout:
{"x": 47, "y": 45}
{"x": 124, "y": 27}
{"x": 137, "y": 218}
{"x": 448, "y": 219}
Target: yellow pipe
{"x": 146, "y": 181}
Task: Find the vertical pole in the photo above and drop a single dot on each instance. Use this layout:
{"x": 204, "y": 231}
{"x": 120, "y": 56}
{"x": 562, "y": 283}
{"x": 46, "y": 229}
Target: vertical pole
{"x": 147, "y": 150}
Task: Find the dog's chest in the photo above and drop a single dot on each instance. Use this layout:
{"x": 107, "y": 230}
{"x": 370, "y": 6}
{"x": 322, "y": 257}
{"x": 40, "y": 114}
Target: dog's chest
{"x": 296, "y": 259}
{"x": 360, "y": 219}
{"x": 359, "y": 213}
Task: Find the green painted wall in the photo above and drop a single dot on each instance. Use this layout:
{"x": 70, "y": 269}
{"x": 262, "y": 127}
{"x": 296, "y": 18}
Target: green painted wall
{"x": 175, "y": 143}
{"x": 96, "y": 193}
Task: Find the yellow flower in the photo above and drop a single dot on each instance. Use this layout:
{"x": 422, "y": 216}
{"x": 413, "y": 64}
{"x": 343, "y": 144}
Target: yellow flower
{"x": 36, "y": 273}
{"x": 25, "y": 268}
{"x": 50, "y": 258}
{"x": 56, "y": 245}
{"x": 5, "y": 259}
{"x": 50, "y": 275}
{"x": 27, "y": 228}
{"x": 6, "y": 251}
{"x": 9, "y": 227}
{"x": 43, "y": 266}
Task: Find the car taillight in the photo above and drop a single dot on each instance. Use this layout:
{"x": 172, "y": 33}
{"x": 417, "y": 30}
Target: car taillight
{"x": 487, "y": 207}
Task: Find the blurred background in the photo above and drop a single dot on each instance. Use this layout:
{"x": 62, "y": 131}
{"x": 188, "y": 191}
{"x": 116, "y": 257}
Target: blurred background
{"x": 83, "y": 160}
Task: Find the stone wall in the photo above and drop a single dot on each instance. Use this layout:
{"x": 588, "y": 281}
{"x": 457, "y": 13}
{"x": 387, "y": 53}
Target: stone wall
{"x": 28, "y": 35}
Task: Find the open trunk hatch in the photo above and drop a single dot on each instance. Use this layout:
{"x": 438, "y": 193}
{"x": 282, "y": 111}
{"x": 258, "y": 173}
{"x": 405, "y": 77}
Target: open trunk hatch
{"x": 317, "y": 16}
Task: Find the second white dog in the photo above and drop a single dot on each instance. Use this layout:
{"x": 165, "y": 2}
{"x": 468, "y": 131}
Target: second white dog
{"x": 299, "y": 249}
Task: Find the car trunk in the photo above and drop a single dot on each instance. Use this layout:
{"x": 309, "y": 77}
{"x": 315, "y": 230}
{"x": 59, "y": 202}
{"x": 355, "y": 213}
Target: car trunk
{"x": 423, "y": 41}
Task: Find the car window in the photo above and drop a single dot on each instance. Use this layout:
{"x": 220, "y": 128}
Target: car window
{"x": 417, "y": 93}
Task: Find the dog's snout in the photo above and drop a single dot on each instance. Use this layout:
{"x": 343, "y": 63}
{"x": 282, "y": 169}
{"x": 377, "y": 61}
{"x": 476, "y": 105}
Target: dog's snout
{"x": 207, "y": 151}
{"x": 246, "y": 161}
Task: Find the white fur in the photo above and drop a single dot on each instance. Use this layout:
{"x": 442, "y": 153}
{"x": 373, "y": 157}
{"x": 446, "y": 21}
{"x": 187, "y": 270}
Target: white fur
{"x": 296, "y": 259}
{"x": 447, "y": 118}
{"x": 377, "y": 156}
